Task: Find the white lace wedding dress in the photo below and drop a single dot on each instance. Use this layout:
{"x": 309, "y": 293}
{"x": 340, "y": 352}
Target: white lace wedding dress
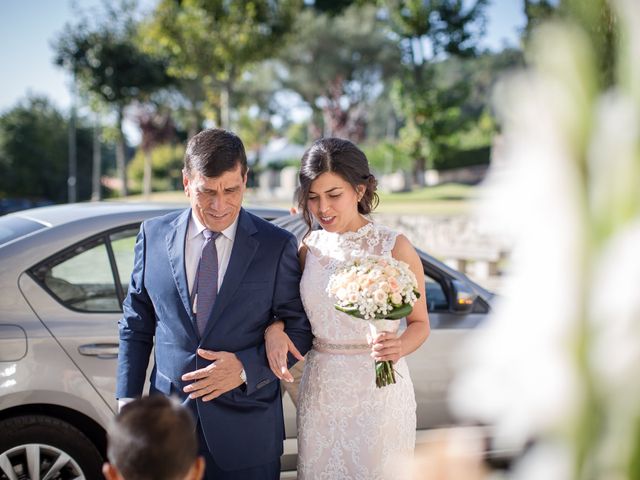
{"x": 348, "y": 428}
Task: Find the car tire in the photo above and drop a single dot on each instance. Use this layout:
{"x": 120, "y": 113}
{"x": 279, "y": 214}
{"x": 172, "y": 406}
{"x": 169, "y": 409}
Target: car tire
{"x": 57, "y": 447}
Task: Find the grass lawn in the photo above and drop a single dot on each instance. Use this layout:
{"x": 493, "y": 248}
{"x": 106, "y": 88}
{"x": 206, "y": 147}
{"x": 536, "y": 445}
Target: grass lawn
{"x": 447, "y": 199}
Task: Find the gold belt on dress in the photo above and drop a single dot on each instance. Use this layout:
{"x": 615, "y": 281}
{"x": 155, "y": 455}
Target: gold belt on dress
{"x": 326, "y": 346}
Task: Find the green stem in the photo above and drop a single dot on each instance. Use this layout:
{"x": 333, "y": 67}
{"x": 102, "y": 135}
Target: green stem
{"x": 385, "y": 374}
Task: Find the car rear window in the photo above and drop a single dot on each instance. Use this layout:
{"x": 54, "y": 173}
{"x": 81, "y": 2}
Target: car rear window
{"x": 16, "y": 227}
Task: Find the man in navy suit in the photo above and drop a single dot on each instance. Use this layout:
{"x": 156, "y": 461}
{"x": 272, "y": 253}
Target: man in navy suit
{"x": 217, "y": 365}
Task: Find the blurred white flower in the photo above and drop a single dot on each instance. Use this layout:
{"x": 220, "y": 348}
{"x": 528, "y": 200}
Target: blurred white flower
{"x": 615, "y": 313}
{"x": 551, "y": 461}
{"x": 614, "y": 170}
{"x": 521, "y": 375}
{"x": 560, "y": 358}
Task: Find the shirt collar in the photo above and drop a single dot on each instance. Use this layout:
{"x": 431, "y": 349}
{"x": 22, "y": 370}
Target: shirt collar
{"x": 196, "y": 228}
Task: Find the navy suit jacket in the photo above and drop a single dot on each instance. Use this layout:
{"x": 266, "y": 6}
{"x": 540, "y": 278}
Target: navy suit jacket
{"x": 243, "y": 427}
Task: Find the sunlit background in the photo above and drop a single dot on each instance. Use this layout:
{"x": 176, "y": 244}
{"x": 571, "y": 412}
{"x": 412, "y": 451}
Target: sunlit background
{"x": 504, "y": 135}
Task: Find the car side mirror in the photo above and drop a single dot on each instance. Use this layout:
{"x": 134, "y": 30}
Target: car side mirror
{"x": 463, "y": 297}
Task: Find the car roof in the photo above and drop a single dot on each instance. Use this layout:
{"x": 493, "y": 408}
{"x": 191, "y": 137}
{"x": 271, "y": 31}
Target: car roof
{"x": 57, "y": 215}
{"x": 63, "y": 225}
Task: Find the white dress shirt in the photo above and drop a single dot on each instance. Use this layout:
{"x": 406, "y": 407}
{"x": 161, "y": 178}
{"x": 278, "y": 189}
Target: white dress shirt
{"x": 193, "y": 249}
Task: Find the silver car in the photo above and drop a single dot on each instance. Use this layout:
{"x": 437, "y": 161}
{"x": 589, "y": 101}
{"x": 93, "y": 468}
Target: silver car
{"x": 64, "y": 271}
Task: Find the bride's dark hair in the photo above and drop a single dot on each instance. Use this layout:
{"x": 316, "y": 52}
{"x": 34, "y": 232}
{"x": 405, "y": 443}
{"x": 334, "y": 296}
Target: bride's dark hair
{"x": 342, "y": 158}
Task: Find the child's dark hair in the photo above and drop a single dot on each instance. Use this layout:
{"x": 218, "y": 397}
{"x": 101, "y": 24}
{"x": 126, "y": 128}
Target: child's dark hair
{"x": 152, "y": 438}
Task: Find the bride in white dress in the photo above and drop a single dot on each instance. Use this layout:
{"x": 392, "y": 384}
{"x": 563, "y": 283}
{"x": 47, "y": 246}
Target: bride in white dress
{"x": 347, "y": 427}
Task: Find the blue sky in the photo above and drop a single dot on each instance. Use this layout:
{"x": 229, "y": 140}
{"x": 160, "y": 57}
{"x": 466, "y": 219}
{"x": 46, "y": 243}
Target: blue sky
{"x": 28, "y": 26}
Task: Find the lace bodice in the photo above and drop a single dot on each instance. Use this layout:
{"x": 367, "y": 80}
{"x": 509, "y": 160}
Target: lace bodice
{"x": 327, "y": 251}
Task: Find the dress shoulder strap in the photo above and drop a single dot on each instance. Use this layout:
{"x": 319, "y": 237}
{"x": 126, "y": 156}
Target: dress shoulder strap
{"x": 387, "y": 239}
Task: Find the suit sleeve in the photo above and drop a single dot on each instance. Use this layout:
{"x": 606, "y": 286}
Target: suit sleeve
{"x": 136, "y": 329}
{"x": 286, "y": 306}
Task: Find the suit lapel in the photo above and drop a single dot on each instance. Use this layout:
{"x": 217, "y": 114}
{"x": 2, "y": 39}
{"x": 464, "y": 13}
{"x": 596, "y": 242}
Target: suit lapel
{"x": 176, "y": 239}
{"x": 244, "y": 249}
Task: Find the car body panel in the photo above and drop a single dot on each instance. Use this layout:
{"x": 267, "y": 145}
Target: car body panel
{"x": 59, "y": 383}
{"x": 73, "y": 332}
{"x": 69, "y": 356}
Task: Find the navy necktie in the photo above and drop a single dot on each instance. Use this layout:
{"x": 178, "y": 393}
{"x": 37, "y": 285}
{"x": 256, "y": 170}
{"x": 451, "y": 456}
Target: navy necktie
{"x": 207, "y": 281}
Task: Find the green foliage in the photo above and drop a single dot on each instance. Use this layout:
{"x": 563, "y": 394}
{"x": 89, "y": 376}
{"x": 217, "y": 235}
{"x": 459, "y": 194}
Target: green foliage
{"x": 34, "y": 153}
{"x": 458, "y": 158}
{"x": 479, "y": 133}
{"x": 451, "y": 27}
{"x": 339, "y": 65}
{"x": 432, "y": 103}
{"x": 334, "y": 7}
{"x": 386, "y": 157}
{"x": 298, "y": 133}
{"x": 166, "y": 167}
{"x": 280, "y": 164}
{"x": 216, "y": 41}
{"x": 107, "y": 62}
{"x": 454, "y": 113}
{"x": 108, "y": 66}
{"x": 252, "y": 129}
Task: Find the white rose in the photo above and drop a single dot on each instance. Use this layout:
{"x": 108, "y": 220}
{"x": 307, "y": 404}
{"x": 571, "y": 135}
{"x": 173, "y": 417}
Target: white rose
{"x": 352, "y": 298}
{"x": 380, "y": 297}
{"x": 396, "y": 298}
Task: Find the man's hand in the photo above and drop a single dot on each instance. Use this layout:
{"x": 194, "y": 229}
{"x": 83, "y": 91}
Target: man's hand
{"x": 222, "y": 375}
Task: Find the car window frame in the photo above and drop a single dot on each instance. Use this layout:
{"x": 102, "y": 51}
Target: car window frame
{"x": 103, "y": 237}
{"x": 479, "y": 305}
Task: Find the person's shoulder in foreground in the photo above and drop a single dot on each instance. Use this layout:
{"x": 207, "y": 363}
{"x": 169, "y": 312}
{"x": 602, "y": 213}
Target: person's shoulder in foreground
{"x": 153, "y": 438}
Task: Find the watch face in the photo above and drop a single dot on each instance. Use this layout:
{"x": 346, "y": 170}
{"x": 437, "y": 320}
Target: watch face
{"x": 243, "y": 376}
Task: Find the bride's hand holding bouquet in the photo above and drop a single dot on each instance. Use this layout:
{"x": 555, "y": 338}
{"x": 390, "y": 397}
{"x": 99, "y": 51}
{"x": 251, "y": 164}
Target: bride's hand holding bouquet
{"x": 381, "y": 290}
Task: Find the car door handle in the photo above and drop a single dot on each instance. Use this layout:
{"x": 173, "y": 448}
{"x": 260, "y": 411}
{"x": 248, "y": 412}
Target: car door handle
{"x": 100, "y": 350}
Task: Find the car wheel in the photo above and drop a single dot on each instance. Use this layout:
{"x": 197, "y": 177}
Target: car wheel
{"x": 37, "y": 447}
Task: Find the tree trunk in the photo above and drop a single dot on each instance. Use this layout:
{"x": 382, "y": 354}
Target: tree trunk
{"x": 196, "y": 120}
{"x": 225, "y": 106}
{"x": 96, "y": 193}
{"x": 121, "y": 162}
{"x": 147, "y": 176}
{"x": 419, "y": 167}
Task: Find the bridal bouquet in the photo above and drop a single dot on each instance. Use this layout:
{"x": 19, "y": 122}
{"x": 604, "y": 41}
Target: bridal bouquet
{"x": 377, "y": 289}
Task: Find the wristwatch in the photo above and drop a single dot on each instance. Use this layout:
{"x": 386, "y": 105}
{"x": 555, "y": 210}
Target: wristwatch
{"x": 243, "y": 376}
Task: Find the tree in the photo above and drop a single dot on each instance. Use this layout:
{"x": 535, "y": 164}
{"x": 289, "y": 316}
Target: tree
{"x": 34, "y": 149}
{"x": 157, "y": 129}
{"x": 429, "y": 32}
{"x": 166, "y": 163}
{"x": 110, "y": 67}
{"x": 214, "y": 42}
{"x": 339, "y": 65}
